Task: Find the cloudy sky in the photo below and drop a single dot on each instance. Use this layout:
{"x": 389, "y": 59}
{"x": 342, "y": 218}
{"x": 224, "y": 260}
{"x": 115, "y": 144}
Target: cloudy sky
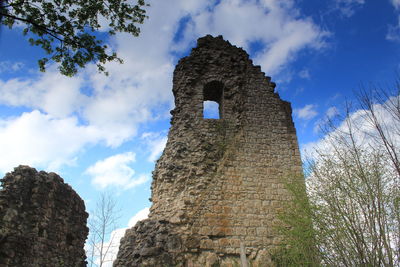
{"x": 104, "y": 133}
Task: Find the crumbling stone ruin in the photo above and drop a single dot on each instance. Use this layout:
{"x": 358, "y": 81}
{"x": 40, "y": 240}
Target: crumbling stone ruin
{"x": 219, "y": 182}
{"x": 42, "y": 221}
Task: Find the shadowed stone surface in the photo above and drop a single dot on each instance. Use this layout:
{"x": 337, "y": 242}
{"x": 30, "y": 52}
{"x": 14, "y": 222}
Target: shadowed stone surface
{"x": 42, "y": 221}
{"x": 219, "y": 182}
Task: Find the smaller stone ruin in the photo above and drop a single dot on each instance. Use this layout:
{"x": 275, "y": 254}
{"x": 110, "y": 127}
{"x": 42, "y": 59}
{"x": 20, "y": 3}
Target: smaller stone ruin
{"x": 42, "y": 221}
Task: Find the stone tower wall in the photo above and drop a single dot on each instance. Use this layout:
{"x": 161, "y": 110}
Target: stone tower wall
{"x": 220, "y": 181}
{"x": 42, "y": 221}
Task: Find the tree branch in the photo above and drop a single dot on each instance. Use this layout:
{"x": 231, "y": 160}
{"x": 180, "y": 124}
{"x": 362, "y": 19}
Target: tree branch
{"x": 52, "y": 33}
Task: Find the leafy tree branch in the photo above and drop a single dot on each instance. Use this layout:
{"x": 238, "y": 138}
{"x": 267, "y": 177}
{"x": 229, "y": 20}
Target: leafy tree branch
{"x": 68, "y": 31}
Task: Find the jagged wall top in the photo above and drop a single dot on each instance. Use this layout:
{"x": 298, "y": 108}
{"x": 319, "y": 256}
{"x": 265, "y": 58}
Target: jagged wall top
{"x": 218, "y": 71}
{"x": 209, "y": 51}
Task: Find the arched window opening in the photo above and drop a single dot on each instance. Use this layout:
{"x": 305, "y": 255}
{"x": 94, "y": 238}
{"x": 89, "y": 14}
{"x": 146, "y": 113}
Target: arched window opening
{"x": 212, "y": 100}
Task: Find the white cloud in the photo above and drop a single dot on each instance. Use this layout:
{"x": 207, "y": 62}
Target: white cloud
{"x": 362, "y": 130}
{"x": 116, "y": 171}
{"x": 41, "y": 140}
{"x": 141, "y": 215}
{"x": 51, "y": 92}
{"x": 156, "y": 143}
{"x": 396, "y": 3}
{"x": 111, "y": 109}
{"x": 305, "y": 74}
{"x": 8, "y": 66}
{"x": 299, "y": 90}
{"x": 332, "y": 111}
{"x": 296, "y": 36}
{"x": 334, "y": 97}
{"x": 307, "y": 112}
{"x": 393, "y": 33}
{"x": 279, "y": 28}
{"x": 329, "y": 114}
{"x": 347, "y": 7}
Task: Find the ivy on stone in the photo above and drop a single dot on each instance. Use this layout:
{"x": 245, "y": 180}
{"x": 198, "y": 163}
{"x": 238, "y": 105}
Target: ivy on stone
{"x": 67, "y": 30}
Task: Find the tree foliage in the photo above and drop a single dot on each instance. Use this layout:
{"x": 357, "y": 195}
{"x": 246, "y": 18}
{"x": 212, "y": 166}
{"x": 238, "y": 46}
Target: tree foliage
{"x": 67, "y": 30}
{"x": 353, "y": 188}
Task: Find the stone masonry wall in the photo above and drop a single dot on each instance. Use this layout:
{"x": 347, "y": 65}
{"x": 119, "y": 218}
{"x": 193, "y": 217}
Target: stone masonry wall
{"x": 42, "y": 221}
{"x": 219, "y": 182}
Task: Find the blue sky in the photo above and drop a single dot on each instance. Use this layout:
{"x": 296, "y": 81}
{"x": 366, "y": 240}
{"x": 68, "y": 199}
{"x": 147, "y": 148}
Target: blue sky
{"x": 104, "y": 133}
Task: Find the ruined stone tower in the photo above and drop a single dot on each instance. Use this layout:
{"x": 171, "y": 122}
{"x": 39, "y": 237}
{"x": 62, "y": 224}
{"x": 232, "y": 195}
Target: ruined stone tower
{"x": 219, "y": 182}
{"x": 42, "y": 221}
